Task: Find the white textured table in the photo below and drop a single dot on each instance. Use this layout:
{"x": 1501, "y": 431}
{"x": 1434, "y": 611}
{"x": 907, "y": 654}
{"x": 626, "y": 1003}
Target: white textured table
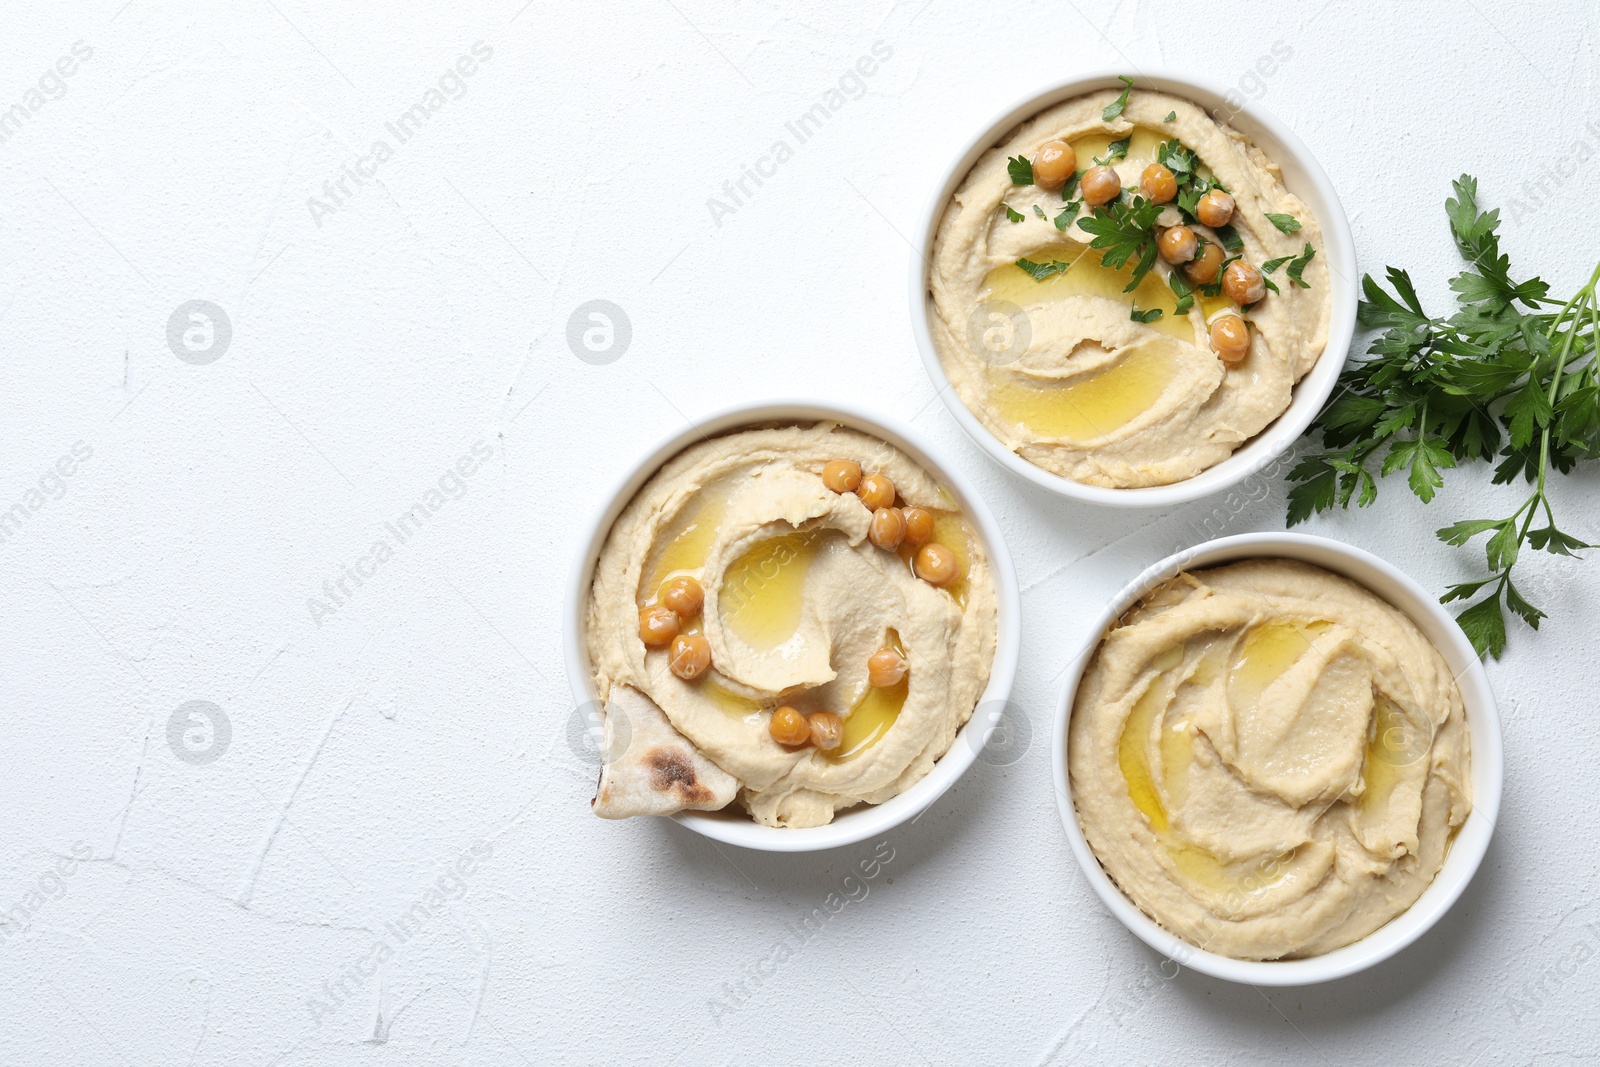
{"x": 389, "y": 857}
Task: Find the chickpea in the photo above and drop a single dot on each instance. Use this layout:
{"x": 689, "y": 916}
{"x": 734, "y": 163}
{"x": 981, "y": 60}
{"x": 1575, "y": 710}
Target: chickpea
{"x": 1177, "y": 244}
{"x": 876, "y": 491}
{"x": 1158, "y": 184}
{"x": 690, "y": 656}
{"x": 841, "y": 475}
{"x": 789, "y": 727}
{"x": 658, "y": 625}
{"x": 685, "y": 596}
{"x": 919, "y": 526}
{"x": 1100, "y": 185}
{"x": 888, "y": 528}
{"x": 935, "y": 564}
{"x": 1230, "y": 338}
{"x": 1243, "y": 283}
{"x": 1202, "y": 270}
{"x": 1053, "y": 164}
{"x": 827, "y": 730}
{"x": 1215, "y": 208}
{"x": 886, "y": 668}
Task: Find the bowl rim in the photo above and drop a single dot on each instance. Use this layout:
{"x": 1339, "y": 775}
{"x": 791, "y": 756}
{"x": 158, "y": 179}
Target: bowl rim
{"x": 1483, "y": 723}
{"x": 864, "y": 821}
{"x": 1310, "y": 182}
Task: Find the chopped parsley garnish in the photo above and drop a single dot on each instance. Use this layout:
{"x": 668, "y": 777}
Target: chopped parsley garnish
{"x": 1273, "y": 264}
{"x": 1068, "y": 213}
{"x": 1021, "y": 170}
{"x": 1114, "y": 151}
{"x": 1149, "y": 315}
{"x": 1172, "y": 116}
{"x": 1298, "y": 265}
{"x": 1071, "y": 185}
{"x": 1114, "y": 108}
{"x": 1230, "y": 238}
{"x": 1286, "y": 223}
{"x": 1037, "y": 210}
{"x": 1189, "y": 194}
{"x": 1181, "y": 161}
{"x": 1012, "y": 214}
{"x": 1041, "y": 271}
{"x": 1182, "y": 290}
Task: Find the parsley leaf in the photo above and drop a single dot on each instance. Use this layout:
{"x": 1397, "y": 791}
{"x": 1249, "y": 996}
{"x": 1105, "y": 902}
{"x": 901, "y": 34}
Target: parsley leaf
{"x": 1068, "y": 213}
{"x": 1012, "y": 214}
{"x": 1114, "y": 108}
{"x": 1230, "y": 238}
{"x": 1485, "y": 626}
{"x": 1037, "y": 210}
{"x": 1273, "y": 264}
{"x": 1172, "y": 116}
{"x": 1021, "y": 169}
{"x": 1316, "y": 489}
{"x": 1148, "y": 315}
{"x": 1181, "y": 161}
{"x": 1286, "y": 223}
{"x": 1114, "y": 151}
{"x": 1182, "y": 290}
{"x": 1298, "y": 265}
{"x": 1474, "y": 233}
{"x": 1041, "y": 271}
{"x": 1422, "y": 457}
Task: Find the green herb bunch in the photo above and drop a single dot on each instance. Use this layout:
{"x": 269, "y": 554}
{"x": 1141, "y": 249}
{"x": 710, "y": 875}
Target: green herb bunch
{"x": 1510, "y": 376}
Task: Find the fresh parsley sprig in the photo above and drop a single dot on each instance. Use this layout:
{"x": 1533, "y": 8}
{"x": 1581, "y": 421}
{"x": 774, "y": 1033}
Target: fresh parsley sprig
{"x": 1121, "y": 231}
{"x": 1502, "y": 377}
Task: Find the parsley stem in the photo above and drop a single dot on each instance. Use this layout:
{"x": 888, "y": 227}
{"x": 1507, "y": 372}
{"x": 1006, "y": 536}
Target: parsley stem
{"x": 1584, "y": 296}
{"x": 1532, "y": 504}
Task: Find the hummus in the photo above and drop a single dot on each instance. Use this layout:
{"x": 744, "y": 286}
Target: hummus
{"x": 1057, "y": 369}
{"x": 796, "y": 600}
{"x": 1269, "y": 760}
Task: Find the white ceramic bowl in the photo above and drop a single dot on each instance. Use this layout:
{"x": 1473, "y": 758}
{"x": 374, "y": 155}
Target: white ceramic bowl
{"x": 1303, "y": 176}
{"x": 869, "y": 820}
{"x": 1483, "y": 726}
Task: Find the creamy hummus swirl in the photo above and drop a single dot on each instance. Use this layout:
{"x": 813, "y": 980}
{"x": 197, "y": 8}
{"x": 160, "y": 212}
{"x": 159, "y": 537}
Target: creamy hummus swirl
{"x": 1056, "y": 369}
{"x": 796, "y": 600}
{"x": 1269, "y": 760}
